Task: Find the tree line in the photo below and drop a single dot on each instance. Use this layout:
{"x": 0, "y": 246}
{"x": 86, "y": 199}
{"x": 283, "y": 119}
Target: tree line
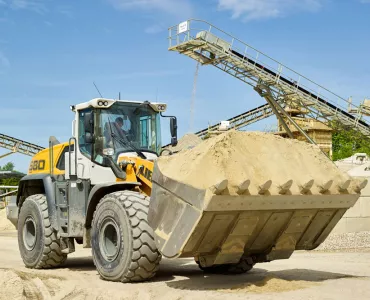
{"x": 13, "y": 181}
{"x": 347, "y": 142}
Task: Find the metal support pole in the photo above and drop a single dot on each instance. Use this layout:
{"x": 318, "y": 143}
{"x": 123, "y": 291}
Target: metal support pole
{"x": 6, "y": 154}
{"x": 271, "y": 98}
{"x": 277, "y": 114}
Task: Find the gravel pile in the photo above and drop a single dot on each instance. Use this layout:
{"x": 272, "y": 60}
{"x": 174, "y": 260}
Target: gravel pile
{"x": 353, "y": 241}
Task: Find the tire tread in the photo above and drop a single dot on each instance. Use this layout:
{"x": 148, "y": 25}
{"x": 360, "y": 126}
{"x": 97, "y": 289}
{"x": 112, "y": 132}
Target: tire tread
{"x": 145, "y": 257}
{"x": 52, "y": 255}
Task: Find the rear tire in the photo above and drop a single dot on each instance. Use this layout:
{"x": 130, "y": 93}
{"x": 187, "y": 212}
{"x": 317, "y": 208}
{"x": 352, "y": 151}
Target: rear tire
{"x": 37, "y": 240}
{"x": 122, "y": 241}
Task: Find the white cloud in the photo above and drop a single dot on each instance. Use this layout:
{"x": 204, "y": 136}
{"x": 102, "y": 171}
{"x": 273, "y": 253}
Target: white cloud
{"x": 65, "y": 10}
{"x": 173, "y": 7}
{"x": 62, "y": 83}
{"x": 155, "y": 28}
{"x": 33, "y": 5}
{"x": 4, "y": 61}
{"x": 265, "y": 9}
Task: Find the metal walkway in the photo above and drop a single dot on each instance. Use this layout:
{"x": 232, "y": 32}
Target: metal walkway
{"x": 16, "y": 145}
{"x": 272, "y": 80}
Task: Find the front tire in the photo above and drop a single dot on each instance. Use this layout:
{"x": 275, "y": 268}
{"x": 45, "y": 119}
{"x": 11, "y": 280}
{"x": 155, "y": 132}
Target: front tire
{"x": 122, "y": 241}
{"x": 37, "y": 241}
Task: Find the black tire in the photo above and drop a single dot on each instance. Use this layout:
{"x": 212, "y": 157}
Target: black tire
{"x": 122, "y": 241}
{"x": 37, "y": 241}
{"x": 228, "y": 269}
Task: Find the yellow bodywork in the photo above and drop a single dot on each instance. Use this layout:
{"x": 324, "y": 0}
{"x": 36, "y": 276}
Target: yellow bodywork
{"x": 137, "y": 169}
{"x": 40, "y": 161}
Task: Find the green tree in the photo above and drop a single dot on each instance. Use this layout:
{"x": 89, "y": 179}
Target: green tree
{"x": 8, "y": 167}
{"x": 13, "y": 181}
{"x": 347, "y": 142}
{"x": 10, "y": 181}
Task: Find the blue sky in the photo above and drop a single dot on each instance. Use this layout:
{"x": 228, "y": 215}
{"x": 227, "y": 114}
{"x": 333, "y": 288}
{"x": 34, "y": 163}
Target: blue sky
{"x": 51, "y": 52}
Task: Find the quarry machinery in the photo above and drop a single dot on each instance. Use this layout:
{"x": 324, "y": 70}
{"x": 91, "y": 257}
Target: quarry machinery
{"x": 110, "y": 156}
{"x": 109, "y": 188}
{"x": 278, "y": 84}
{"x": 229, "y": 202}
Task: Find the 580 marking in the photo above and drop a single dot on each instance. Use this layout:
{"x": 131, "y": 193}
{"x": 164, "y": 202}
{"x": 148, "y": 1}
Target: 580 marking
{"x": 37, "y": 165}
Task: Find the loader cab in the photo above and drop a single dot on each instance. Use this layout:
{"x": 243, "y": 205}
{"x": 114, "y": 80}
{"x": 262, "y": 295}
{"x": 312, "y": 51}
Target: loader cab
{"x": 106, "y": 129}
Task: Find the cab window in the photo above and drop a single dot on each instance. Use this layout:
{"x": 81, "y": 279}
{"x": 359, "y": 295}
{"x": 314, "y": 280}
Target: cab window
{"x": 85, "y": 149}
{"x": 61, "y": 164}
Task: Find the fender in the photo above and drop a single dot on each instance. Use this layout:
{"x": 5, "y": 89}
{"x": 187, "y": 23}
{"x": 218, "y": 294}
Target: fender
{"x": 99, "y": 191}
{"x": 38, "y": 184}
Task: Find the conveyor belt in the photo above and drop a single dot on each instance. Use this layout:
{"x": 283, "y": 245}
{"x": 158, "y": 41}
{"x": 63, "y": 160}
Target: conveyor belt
{"x": 17, "y": 145}
{"x": 209, "y": 45}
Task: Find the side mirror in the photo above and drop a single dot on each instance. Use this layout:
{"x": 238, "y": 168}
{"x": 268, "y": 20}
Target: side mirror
{"x": 89, "y": 127}
{"x": 173, "y": 129}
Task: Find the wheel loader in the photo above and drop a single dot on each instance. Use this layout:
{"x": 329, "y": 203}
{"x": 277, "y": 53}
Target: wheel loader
{"x": 105, "y": 189}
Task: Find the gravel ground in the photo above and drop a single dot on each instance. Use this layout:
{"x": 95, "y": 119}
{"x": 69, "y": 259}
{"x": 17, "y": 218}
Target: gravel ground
{"x": 352, "y": 241}
{"x": 306, "y": 275}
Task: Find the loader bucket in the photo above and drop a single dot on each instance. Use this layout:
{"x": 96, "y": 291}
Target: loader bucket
{"x": 216, "y": 208}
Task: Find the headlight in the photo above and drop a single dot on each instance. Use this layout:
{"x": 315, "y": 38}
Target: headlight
{"x": 161, "y": 107}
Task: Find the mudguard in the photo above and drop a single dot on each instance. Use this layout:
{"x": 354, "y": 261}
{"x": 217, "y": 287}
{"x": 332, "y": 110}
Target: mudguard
{"x": 44, "y": 184}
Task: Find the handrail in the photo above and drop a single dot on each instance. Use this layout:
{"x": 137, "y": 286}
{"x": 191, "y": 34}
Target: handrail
{"x": 259, "y": 52}
{"x": 213, "y": 46}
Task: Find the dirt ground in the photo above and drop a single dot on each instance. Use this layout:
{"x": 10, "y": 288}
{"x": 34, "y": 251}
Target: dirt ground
{"x": 307, "y": 275}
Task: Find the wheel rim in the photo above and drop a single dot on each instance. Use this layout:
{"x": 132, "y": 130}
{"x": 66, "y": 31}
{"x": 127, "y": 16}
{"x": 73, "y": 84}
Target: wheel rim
{"x": 110, "y": 242}
{"x": 29, "y": 233}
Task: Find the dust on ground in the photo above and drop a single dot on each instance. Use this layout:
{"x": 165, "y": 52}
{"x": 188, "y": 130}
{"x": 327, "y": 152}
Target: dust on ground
{"x": 307, "y": 275}
{"x": 258, "y": 157}
{"x": 5, "y": 224}
{"x": 17, "y": 285}
{"x": 271, "y": 284}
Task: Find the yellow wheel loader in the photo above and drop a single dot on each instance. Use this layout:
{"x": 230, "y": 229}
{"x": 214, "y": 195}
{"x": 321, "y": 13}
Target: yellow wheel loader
{"x": 107, "y": 188}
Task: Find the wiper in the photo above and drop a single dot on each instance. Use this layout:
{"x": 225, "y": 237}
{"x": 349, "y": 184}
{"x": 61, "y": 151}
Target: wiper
{"x": 129, "y": 145}
{"x": 125, "y": 143}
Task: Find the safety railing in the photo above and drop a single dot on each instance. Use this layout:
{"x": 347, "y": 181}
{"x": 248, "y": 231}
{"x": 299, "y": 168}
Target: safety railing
{"x": 191, "y": 34}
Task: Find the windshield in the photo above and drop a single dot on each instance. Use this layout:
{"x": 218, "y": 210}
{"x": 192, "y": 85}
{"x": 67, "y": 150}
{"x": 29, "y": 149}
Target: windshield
{"x": 127, "y": 127}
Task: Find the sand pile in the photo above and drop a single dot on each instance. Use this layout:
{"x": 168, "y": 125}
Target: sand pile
{"x": 188, "y": 141}
{"x": 18, "y": 285}
{"x": 259, "y": 157}
{"x": 11, "y": 286}
{"x": 4, "y": 222}
{"x": 271, "y": 284}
